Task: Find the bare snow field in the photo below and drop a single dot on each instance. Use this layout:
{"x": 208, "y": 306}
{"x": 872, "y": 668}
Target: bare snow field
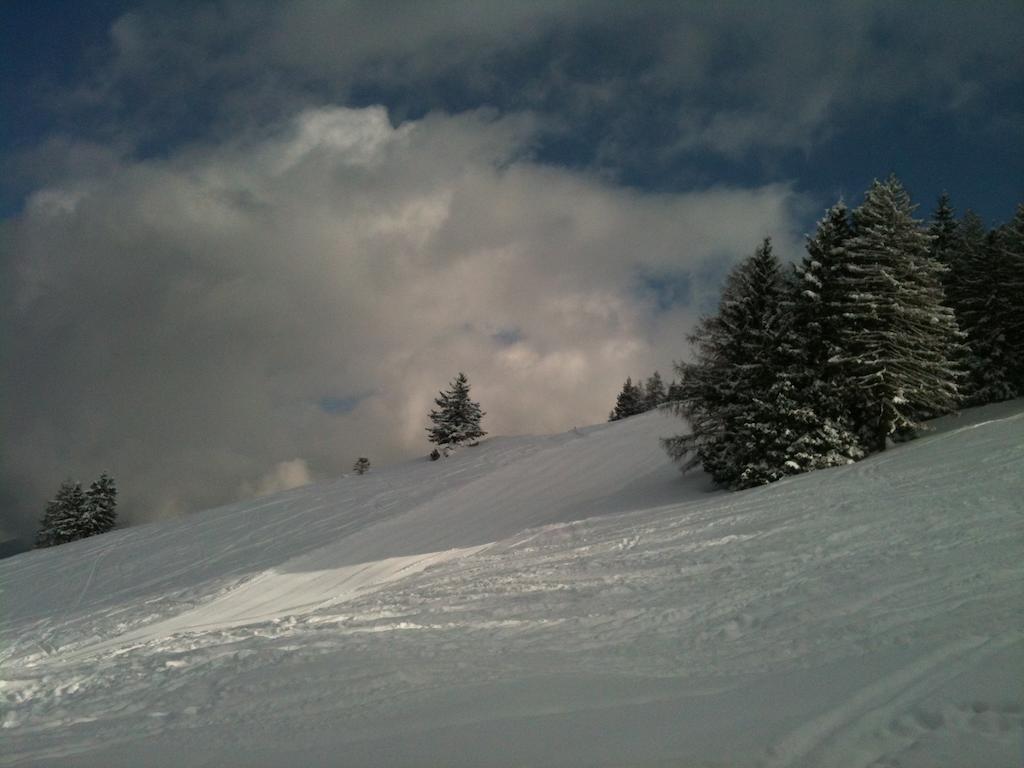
{"x": 568, "y": 600}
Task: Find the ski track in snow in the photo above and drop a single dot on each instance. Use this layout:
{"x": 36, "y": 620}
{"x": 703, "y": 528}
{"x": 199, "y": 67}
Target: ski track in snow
{"x": 570, "y": 588}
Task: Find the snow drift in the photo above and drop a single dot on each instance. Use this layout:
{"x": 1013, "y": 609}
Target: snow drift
{"x": 562, "y": 600}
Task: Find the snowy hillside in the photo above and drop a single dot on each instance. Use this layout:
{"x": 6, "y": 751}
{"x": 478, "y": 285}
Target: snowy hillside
{"x": 563, "y": 600}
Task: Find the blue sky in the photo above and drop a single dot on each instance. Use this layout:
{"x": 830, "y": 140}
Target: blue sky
{"x": 243, "y": 243}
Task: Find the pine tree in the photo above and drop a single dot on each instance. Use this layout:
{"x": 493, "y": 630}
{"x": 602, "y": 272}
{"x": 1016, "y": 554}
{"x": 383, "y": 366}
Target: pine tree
{"x": 974, "y": 290}
{"x": 1009, "y": 251}
{"x": 630, "y": 401}
{"x": 816, "y": 308}
{"x": 654, "y": 392}
{"x": 99, "y": 513}
{"x": 725, "y": 392}
{"x": 807, "y": 405}
{"x": 675, "y": 392}
{"x": 362, "y": 466}
{"x": 899, "y": 342}
{"x": 943, "y": 229}
{"x": 62, "y": 517}
{"x": 457, "y": 418}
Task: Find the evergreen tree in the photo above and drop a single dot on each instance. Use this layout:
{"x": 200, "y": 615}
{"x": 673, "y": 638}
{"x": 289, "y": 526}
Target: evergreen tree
{"x": 362, "y": 466}
{"x": 723, "y": 393}
{"x": 457, "y": 418}
{"x": 675, "y": 392}
{"x": 654, "y": 392}
{"x": 61, "y": 519}
{"x": 808, "y": 404}
{"x": 99, "y": 513}
{"x": 817, "y": 311}
{"x": 943, "y": 229}
{"x": 975, "y": 291}
{"x": 1009, "y": 250}
{"x": 899, "y": 341}
{"x": 630, "y": 401}
{"x": 757, "y": 397}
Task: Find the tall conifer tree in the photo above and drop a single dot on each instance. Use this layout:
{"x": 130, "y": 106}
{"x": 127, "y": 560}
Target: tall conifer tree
{"x": 724, "y": 393}
{"x": 974, "y": 290}
{"x": 899, "y": 342}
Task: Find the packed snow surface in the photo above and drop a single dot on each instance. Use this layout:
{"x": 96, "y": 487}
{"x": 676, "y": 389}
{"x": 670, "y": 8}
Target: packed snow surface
{"x": 564, "y": 600}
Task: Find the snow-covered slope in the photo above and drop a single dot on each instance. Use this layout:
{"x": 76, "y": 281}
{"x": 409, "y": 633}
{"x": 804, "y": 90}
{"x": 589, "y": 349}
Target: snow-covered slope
{"x": 563, "y": 600}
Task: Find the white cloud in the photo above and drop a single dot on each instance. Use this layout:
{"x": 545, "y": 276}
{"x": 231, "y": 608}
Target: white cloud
{"x": 177, "y": 322}
{"x": 282, "y": 477}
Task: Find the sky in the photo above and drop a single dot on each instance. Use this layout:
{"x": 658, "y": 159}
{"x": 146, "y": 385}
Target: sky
{"x": 243, "y": 243}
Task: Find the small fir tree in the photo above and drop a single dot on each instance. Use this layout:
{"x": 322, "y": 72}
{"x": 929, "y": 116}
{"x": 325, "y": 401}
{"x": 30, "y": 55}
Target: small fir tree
{"x": 99, "y": 513}
{"x": 362, "y": 466}
{"x": 674, "y": 392}
{"x": 74, "y": 514}
{"x": 62, "y": 517}
{"x": 630, "y": 401}
{"x": 654, "y": 392}
{"x": 456, "y": 420}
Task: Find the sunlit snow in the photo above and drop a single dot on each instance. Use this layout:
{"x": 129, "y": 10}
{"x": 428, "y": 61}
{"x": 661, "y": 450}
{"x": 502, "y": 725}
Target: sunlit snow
{"x": 562, "y": 600}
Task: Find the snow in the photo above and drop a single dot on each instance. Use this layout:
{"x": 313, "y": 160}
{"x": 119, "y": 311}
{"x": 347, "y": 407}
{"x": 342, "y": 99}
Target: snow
{"x": 565, "y": 600}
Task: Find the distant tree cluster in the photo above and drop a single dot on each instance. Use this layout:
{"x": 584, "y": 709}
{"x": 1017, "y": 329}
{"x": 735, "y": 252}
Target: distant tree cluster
{"x": 77, "y": 514}
{"x": 640, "y": 398}
{"x": 456, "y": 420}
{"x": 883, "y": 324}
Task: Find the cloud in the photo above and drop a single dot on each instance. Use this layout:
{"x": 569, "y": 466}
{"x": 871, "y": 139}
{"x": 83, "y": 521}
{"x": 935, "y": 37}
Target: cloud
{"x": 729, "y": 78}
{"x": 181, "y": 321}
{"x": 282, "y": 477}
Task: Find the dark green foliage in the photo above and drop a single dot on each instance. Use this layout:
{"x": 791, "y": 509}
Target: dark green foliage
{"x": 975, "y": 290}
{"x": 100, "y": 515}
{"x": 73, "y": 515}
{"x": 630, "y": 401}
{"x": 654, "y": 392}
{"x": 457, "y": 418}
{"x": 60, "y": 519}
{"x": 1008, "y": 244}
{"x": 943, "y": 229}
{"x": 815, "y": 302}
{"x": 855, "y": 347}
{"x": 899, "y": 342}
{"x": 749, "y": 424}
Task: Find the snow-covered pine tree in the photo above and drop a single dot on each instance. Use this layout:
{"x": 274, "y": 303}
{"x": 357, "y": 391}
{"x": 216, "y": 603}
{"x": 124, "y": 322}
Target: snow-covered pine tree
{"x": 99, "y": 512}
{"x": 724, "y": 394}
{"x": 457, "y": 418}
{"x": 654, "y": 391}
{"x": 630, "y": 401}
{"x": 1009, "y": 244}
{"x": 814, "y": 303}
{"x": 362, "y": 466}
{"x": 807, "y": 404}
{"x": 975, "y": 292}
{"x": 899, "y": 341}
{"x": 62, "y": 518}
